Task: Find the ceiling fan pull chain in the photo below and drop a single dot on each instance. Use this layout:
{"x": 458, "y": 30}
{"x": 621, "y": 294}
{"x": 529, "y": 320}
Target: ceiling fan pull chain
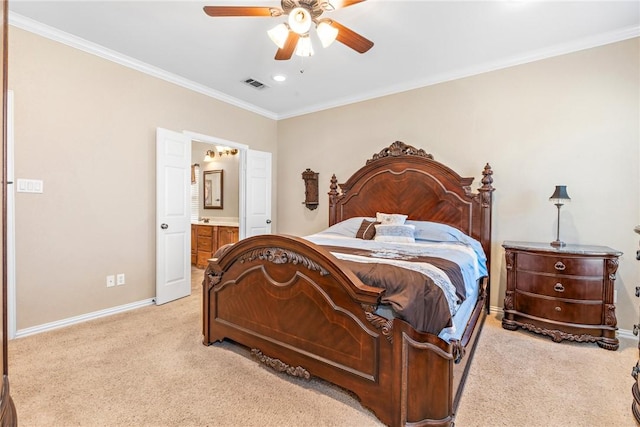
{"x": 302, "y": 65}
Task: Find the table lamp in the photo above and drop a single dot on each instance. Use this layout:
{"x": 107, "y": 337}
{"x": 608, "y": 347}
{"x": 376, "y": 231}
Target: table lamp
{"x": 558, "y": 198}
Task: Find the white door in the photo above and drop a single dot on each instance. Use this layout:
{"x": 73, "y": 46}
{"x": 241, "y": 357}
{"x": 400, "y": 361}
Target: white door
{"x": 258, "y": 195}
{"x": 173, "y": 223}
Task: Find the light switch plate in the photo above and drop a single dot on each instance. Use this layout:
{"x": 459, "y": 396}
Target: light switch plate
{"x": 30, "y": 186}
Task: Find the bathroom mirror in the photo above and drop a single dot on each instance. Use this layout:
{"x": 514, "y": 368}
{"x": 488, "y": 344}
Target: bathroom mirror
{"x": 213, "y": 189}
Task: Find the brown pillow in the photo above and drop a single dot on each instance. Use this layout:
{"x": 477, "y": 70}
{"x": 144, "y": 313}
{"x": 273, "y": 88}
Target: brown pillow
{"x": 367, "y": 230}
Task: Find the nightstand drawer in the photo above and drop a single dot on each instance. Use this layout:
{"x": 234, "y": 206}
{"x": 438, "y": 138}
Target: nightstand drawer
{"x": 558, "y": 264}
{"x": 559, "y": 310}
{"x": 560, "y": 287}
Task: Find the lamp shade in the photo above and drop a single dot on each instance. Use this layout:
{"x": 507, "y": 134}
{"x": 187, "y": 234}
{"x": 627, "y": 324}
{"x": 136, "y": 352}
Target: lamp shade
{"x": 300, "y": 20}
{"x": 209, "y": 155}
{"x": 560, "y": 194}
{"x": 304, "y": 47}
{"x": 279, "y": 34}
{"x": 326, "y": 33}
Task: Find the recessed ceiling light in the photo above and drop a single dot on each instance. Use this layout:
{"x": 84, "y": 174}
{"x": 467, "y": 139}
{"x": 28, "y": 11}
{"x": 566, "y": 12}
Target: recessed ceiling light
{"x": 279, "y": 77}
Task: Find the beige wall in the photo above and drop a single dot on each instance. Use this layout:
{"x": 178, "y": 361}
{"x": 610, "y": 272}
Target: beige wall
{"x": 572, "y": 119}
{"x": 86, "y": 127}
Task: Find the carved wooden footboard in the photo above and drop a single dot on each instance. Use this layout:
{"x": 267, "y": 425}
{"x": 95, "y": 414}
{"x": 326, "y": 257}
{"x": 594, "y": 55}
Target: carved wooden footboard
{"x": 301, "y": 313}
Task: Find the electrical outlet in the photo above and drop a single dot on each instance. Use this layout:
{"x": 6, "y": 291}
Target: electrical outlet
{"x": 111, "y": 281}
{"x": 120, "y": 279}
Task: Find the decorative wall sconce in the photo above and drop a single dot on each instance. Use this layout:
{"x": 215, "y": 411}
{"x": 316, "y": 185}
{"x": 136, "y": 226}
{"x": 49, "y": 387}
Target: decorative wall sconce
{"x": 558, "y": 198}
{"x": 310, "y": 189}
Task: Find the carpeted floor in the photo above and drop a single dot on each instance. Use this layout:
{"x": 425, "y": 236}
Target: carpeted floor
{"x": 148, "y": 367}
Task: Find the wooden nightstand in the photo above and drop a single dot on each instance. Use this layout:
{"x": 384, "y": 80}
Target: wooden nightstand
{"x": 565, "y": 293}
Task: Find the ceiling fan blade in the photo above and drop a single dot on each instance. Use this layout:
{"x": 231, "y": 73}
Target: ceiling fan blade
{"x": 241, "y": 11}
{"x": 289, "y": 47}
{"x": 352, "y": 39}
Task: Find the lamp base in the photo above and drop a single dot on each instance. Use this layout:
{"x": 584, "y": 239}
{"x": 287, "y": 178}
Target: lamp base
{"x": 558, "y": 244}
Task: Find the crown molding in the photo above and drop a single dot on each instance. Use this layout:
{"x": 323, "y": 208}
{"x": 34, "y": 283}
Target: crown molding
{"x": 525, "y": 58}
{"x": 54, "y": 34}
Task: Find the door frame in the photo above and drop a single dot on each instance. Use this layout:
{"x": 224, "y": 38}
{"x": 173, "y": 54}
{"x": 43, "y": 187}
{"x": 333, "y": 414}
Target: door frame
{"x": 11, "y": 223}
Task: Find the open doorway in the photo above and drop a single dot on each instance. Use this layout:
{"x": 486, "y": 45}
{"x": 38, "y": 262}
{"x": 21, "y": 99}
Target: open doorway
{"x": 223, "y": 164}
{"x": 215, "y": 199}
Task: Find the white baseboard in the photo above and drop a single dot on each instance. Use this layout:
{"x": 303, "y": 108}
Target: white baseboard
{"x": 82, "y": 318}
{"x": 493, "y": 309}
{"x": 626, "y": 333}
{"x": 622, "y": 333}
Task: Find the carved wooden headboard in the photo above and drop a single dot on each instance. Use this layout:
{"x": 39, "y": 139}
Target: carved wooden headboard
{"x": 405, "y": 180}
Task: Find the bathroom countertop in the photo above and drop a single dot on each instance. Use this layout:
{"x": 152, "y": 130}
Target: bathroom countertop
{"x": 219, "y": 223}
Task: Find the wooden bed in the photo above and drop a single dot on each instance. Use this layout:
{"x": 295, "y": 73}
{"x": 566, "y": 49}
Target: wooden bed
{"x": 300, "y": 311}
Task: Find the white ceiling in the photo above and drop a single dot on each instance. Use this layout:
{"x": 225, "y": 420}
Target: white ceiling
{"x": 417, "y": 43}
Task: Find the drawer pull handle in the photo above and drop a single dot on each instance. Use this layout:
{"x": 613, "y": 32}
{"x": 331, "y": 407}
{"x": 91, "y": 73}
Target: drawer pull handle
{"x": 558, "y": 287}
{"x": 558, "y": 309}
{"x": 560, "y": 266}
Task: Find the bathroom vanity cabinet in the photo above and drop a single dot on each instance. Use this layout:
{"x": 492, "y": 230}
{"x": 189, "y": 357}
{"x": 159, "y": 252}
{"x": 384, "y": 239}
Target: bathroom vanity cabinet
{"x": 207, "y": 238}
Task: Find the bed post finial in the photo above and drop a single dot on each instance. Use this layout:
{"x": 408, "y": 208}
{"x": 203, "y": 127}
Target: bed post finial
{"x": 333, "y": 196}
{"x": 487, "y": 179}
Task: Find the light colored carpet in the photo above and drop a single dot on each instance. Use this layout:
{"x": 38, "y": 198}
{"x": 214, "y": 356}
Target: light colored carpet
{"x": 148, "y": 367}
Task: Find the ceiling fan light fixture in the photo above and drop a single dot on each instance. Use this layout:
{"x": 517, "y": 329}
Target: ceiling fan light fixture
{"x": 279, "y": 34}
{"x": 326, "y": 33}
{"x": 304, "y": 47}
{"x": 300, "y": 20}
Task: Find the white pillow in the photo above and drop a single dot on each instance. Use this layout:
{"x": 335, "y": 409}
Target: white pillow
{"x": 395, "y": 233}
{"x": 386, "y": 219}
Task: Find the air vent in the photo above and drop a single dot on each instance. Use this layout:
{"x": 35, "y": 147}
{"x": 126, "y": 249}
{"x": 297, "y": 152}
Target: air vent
{"x": 255, "y": 83}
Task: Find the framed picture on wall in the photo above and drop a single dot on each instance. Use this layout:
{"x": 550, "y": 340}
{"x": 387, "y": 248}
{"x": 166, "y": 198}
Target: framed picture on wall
{"x": 213, "y": 189}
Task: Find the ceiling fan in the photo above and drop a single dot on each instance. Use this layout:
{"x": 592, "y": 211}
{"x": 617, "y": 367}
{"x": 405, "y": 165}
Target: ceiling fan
{"x": 293, "y": 35}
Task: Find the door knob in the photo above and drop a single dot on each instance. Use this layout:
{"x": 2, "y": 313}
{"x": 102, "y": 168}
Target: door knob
{"x": 164, "y": 226}
{"x": 268, "y": 221}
